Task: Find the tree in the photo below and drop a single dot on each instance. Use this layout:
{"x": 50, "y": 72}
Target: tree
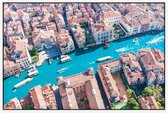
{"x": 153, "y": 91}
{"x": 133, "y": 104}
{"x": 27, "y": 107}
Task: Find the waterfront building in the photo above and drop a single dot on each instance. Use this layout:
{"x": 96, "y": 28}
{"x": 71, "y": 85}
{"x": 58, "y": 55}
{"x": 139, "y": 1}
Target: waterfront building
{"x": 83, "y": 94}
{"x": 112, "y": 84}
{"x": 111, "y": 17}
{"x": 65, "y": 41}
{"x": 152, "y": 63}
{"x": 43, "y": 38}
{"x": 49, "y": 96}
{"x": 40, "y": 98}
{"x": 37, "y": 98}
{"x": 132, "y": 69}
{"x": 148, "y": 103}
{"x": 13, "y": 104}
{"x": 101, "y": 32}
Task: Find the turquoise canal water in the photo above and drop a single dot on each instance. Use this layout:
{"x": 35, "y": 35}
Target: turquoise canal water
{"x": 80, "y": 62}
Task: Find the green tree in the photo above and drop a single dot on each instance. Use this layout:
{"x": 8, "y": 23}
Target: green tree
{"x": 132, "y": 104}
{"x": 27, "y": 107}
{"x": 153, "y": 91}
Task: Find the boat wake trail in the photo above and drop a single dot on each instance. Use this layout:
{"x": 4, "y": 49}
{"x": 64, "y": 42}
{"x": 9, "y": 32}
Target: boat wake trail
{"x": 121, "y": 49}
{"x": 156, "y": 40}
{"x": 92, "y": 62}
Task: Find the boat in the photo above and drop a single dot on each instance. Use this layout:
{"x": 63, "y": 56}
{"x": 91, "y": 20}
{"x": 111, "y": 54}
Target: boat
{"x": 33, "y": 73}
{"x": 85, "y": 48}
{"x": 104, "y": 58}
{"x": 32, "y": 69}
{"x": 155, "y": 40}
{"x": 106, "y": 46}
{"x": 120, "y": 50}
{"x": 61, "y": 70}
{"x": 23, "y": 82}
{"x": 135, "y": 40}
{"x": 65, "y": 58}
{"x": 17, "y": 75}
{"x": 50, "y": 60}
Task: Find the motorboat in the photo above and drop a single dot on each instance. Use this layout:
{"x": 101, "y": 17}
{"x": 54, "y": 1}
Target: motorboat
{"x": 33, "y": 73}
{"x": 135, "y": 40}
{"x": 104, "y": 58}
{"x": 61, "y": 70}
{"x": 17, "y": 75}
{"x": 65, "y": 58}
{"x": 50, "y": 60}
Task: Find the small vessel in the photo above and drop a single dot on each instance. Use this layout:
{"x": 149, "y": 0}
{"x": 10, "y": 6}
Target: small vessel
{"x": 65, "y": 58}
{"x": 23, "y": 82}
{"x": 135, "y": 40}
{"x": 104, "y": 58}
{"x": 106, "y": 46}
{"x": 17, "y": 75}
{"x": 61, "y": 70}
{"x": 50, "y": 60}
{"x": 85, "y": 48}
{"x": 120, "y": 50}
{"x": 32, "y": 69}
{"x": 33, "y": 73}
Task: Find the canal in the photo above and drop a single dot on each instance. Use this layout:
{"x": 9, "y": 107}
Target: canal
{"x": 79, "y": 63}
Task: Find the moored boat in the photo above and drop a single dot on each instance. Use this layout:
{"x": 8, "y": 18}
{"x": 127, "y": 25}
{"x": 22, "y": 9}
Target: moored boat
{"x": 33, "y": 73}
{"x": 65, "y": 58}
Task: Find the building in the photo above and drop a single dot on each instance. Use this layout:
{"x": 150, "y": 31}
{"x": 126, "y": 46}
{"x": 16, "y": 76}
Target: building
{"x": 10, "y": 67}
{"x": 79, "y": 35}
{"x": 37, "y": 98}
{"x": 132, "y": 69}
{"x": 13, "y": 104}
{"x": 40, "y": 98}
{"x": 113, "y": 87}
{"x": 111, "y": 17}
{"x": 43, "y": 38}
{"x": 49, "y": 96}
{"x": 101, "y": 32}
{"x": 148, "y": 103}
{"x": 19, "y": 52}
{"x": 65, "y": 41}
{"x": 152, "y": 63}
{"x": 83, "y": 94}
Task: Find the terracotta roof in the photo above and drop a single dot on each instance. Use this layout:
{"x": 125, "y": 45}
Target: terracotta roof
{"x": 148, "y": 103}
{"x": 13, "y": 104}
{"x": 67, "y": 90}
{"x": 37, "y": 98}
{"x": 111, "y": 14}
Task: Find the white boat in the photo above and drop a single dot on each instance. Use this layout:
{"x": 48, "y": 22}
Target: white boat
{"x": 33, "y": 73}
{"x": 23, "y": 82}
{"x": 65, "y": 58}
{"x": 85, "y": 48}
{"x": 17, "y": 75}
{"x": 50, "y": 60}
{"x": 155, "y": 40}
{"x": 120, "y": 50}
{"x": 104, "y": 58}
{"x": 32, "y": 69}
{"x": 61, "y": 70}
{"x": 135, "y": 40}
